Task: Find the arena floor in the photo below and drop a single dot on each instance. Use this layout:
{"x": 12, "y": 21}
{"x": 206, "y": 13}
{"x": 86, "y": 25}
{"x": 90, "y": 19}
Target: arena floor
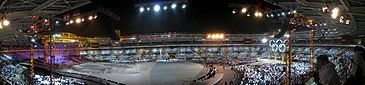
{"x": 149, "y": 73}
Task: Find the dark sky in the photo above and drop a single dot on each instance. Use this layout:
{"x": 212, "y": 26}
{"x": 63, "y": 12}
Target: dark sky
{"x": 200, "y": 16}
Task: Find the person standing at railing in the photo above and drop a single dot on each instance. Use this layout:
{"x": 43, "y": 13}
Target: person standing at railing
{"x": 357, "y": 75}
{"x": 326, "y": 73}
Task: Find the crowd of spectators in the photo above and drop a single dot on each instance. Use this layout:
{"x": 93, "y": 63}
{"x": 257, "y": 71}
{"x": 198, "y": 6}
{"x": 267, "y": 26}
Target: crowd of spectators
{"x": 14, "y": 73}
{"x": 271, "y": 73}
{"x": 46, "y": 80}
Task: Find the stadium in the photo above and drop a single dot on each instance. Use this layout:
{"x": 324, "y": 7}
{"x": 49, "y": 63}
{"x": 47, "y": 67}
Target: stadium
{"x": 182, "y": 42}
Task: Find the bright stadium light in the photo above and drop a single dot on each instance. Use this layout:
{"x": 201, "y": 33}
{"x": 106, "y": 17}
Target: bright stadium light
{"x": 95, "y": 16}
{"x": 141, "y": 9}
{"x": 183, "y": 6}
{"x": 335, "y": 12}
{"x": 6, "y": 22}
{"x": 148, "y": 8}
{"x": 347, "y": 22}
{"x": 173, "y": 6}
{"x": 244, "y": 10}
{"x": 272, "y": 15}
{"x": 71, "y": 21}
{"x": 90, "y": 17}
{"x": 282, "y": 13}
{"x": 156, "y": 8}
{"x": 258, "y": 14}
{"x": 264, "y": 40}
{"x": 78, "y": 20}
{"x": 57, "y": 22}
{"x": 234, "y": 11}
{"x": 165, "y": 7}
{"x": 324, "y": 9}
{"x": 295, "y": 11}
{"x": 32, "y": 40}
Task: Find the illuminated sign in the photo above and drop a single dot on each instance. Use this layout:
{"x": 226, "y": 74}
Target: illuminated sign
{"x": 277, "y": 45}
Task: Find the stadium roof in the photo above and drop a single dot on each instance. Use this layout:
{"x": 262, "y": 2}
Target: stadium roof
{"x": 352, "y": 9}
{"x": 21, "y": 14}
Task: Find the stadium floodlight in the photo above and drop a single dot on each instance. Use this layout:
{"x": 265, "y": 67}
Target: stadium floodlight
{"x": 335, "y": 12}
{"x": 90, "y": 17}
{"x": 165, "y": 7}
{"x": 244, "y": 10}
{"x": 32, "y": 40}
{"x": 295, "y": 11}
{"x": 173, "y": 6}
{"x": 264, "y": 40}
{"x": 347, "y": 22}
{"x": 258, "y": 14}
{"x": 156, "y": 8}
{"x": 282, "y": 13}
{"x": 78, "y": 20}
{"x": 148, "y": 8}
{"x": 183, "y": 6}
{"x": 6, "y": 22}
{"x": 324, "y": 9}
{"x": 57, "y": 22}
{"x": 234, "y": 11}
{"x": 71, "y": 21}
{"x": 141, "y": 9}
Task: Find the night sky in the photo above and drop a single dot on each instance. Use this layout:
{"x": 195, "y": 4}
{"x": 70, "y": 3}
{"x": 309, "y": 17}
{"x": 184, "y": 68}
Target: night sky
{"x": 200, "y": 16}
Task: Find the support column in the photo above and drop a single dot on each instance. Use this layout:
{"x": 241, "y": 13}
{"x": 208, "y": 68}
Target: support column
{"x": 45, "y": 53}
{"x": 311, "y": 57}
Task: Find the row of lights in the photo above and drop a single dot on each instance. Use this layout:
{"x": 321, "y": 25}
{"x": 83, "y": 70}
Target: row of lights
{"x": 244, "y": 10}
{"x": 281, "y": 14}
{"x": 79, "y": 20}
{"x": 260, "y": 14}
{"x": 4, "y": 23}
{"x": 157, "y": 7}
{"x": 215, "y": 36}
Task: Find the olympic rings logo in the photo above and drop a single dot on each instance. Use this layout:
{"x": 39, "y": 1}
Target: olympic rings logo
{"x": 277, "y": 45}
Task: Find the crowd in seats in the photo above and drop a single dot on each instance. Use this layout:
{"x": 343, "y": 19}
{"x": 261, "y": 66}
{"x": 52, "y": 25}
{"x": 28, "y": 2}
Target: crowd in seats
{"x": 46, "y": 80}
{"x": 211, "y": 72}
{"x": 271, "y": 74}
{"x": 10, "y": 71}
{"x": 240, "y": 61}
{"x": 14, "y": 73}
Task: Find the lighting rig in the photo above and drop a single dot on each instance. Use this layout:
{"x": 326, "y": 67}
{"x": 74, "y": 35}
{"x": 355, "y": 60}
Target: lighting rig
{"x": 161, "y": 6}
{"x": 3, "y": 21}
